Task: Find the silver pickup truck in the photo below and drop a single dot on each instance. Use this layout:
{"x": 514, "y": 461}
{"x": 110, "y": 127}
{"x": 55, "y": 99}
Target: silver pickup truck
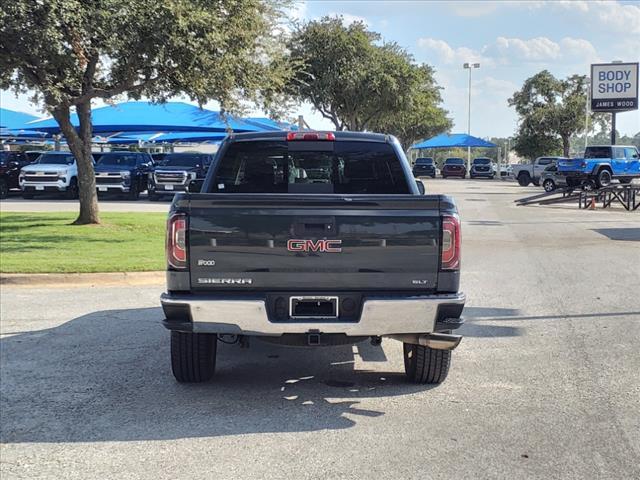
{"x": 531, "y": 172}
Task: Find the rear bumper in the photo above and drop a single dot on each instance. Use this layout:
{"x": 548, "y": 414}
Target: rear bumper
{"x": 41, "y": 187}
{"x": 161, "y": 188}
{"x": 488, "y": 174}
{"x": 113, "y": 188}
{"x": 381, "y": 316}
{"x": 454, "y": 173}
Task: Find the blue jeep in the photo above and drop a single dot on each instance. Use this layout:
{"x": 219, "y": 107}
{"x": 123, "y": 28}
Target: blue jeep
{"x": 600, "y": 165}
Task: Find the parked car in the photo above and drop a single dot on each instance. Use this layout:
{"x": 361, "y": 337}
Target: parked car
{"x": 506, "y": 170}
{"x": 424, "y": 167}
{"x": 158, "y": 158}
{"x": 32, "y": 155}
{"x": 550, "y": 179}
{"x": 177, "y": 171}
{"x": 454, "y": 167}
{"x": 602, "y": 164}
{"x": 265, "y": 252}
{"x": 10, "y": 164}
{"x": 530, "y": 173}
{"x": 482, "y": 167}
{"x": 52, "y": 172}
{"x": 123, "y": 173}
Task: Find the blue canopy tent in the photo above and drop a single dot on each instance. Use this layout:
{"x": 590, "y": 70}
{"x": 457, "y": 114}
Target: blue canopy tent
{"x": 163, "y": 137}
{"x": 446, "y": 140}
{"x": 12, "y": 120}
{"x": 455, "y": 140}
{"x": 12, "y": 124}
{"x": 144, "y": 117}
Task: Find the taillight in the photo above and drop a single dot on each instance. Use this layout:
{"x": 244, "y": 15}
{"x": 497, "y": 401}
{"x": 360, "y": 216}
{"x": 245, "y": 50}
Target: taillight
{"x": 292, "y": 136}
{"x": 177, "y": 241}
{"x": 450, "y": 257}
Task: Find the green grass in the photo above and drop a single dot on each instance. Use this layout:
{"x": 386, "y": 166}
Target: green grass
{"x": 48, "y": 243}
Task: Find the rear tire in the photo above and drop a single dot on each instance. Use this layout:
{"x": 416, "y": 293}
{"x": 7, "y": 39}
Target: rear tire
{"x": 524, "y": 179}
{"x": 72, "y": 190}
{"x": 426, "y": 365}
{"x": 134, "y": 191}
{"x": 549, "y": 185}
{"x": 4, "y": 188}
{"x": 625, "y": 180}
{"x": 603, "y": 178}
{"x": 193, "y": 356}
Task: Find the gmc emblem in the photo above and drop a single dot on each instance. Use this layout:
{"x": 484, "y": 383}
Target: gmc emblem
{"x": 328, "y": 246}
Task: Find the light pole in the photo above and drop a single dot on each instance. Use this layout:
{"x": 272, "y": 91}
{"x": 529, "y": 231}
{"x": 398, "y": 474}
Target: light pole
{"x": 469, "y": 66}
{"x": 586, "y": 114}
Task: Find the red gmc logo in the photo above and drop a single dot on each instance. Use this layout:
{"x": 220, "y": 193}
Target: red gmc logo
{"x": 329, "y": 246}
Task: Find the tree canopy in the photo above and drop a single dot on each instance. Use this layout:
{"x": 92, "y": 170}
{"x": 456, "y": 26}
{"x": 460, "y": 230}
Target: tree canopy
{"x": 70, "y": 52}
{"x": 551, "y": 110}
{"x": 361, "y": 83}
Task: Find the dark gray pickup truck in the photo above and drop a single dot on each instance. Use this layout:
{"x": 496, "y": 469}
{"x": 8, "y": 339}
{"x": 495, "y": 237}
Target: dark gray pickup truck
{"x": 312, "y": 239}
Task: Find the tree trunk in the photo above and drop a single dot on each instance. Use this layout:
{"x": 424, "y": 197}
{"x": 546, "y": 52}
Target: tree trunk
{"x": 80, "y": 146}
{"x": 565, "y": 146}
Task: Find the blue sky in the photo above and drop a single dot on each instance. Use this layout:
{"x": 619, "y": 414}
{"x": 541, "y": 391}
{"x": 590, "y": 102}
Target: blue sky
{"x": 511, "y": 41}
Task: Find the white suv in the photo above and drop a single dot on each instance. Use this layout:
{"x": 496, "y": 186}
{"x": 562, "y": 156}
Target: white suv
{"x": 52, "y": 172}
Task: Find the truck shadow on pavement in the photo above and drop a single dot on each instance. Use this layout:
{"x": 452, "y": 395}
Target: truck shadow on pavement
{"x": 106, "y": 376}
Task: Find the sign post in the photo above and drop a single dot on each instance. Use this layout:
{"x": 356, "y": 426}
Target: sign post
{"x": 614, "y": 88}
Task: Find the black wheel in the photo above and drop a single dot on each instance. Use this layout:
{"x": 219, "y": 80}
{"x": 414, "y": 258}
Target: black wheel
{"x": 4, "y": 188}
{"x": 426, "y": 365}
{"x": 134, "y": 192}
{"x": 524, "y": 179}
{"x": 536, "y": 182}
{"x": 193, "y": 356}
{"x": 72, "y": 189}
{"x": 549, "y": 185}
{"x": 625, "y": 180}
{"x": 603, "y": 179}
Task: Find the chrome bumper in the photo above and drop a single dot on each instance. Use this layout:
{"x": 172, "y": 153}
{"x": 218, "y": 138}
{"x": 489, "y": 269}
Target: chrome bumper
{"x": 110, "y": 187}
{"x": 59, "y": 185}
{"x": 380, "y": 316}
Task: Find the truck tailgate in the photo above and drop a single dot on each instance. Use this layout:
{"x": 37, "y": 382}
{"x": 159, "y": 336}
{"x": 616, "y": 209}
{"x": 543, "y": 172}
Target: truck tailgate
{"x": 314, "y": 242}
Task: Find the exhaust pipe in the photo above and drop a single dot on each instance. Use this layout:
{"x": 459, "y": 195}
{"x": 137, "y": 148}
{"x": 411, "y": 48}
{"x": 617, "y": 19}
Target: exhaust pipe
{"x": 440, "y": 341}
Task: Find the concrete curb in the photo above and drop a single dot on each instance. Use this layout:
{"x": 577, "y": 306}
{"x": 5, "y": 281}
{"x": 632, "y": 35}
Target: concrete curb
{"x": 82, "y": 279}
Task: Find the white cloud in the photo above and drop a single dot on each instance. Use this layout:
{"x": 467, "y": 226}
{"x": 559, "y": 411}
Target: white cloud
{"x": 602, "y": 14}
{"x": 348, "y": 19}
{"x": 473, "y": 9}
{"x": 298, "y": 12}
{"x": 513, "y": 51}
{"x": 447, "y": 54}
{"x": 540, "y": 49}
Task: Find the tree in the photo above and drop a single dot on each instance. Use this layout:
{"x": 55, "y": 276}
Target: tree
{"x": 530, "y": 142}
{"x": 360, "y": 84}
{"x": 423, "y": 118}
{"x": 550, "y": 110}
{"x": 70, "y": 52}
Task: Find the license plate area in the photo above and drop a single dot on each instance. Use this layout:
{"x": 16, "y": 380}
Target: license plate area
{"x": 313, "y": 307}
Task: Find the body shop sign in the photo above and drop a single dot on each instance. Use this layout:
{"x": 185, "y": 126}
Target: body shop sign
{"x": 614, "y": 87}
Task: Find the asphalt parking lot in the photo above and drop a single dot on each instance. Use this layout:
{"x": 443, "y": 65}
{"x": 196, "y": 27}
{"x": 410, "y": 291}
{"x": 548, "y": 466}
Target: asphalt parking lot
{"x": 544, "y": 385}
